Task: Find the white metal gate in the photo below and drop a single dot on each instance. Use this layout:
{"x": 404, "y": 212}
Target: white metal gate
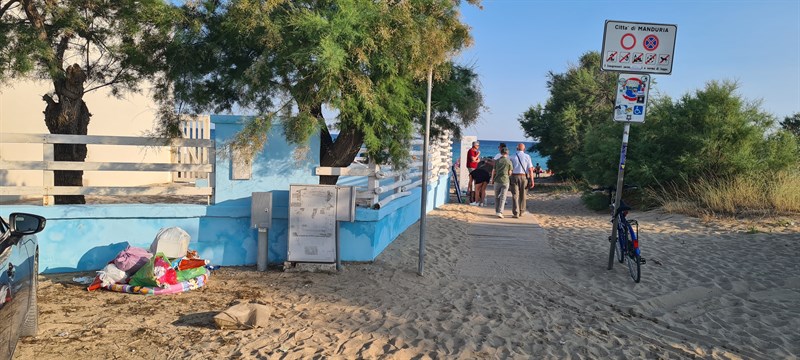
{"x": 198, "y": 127}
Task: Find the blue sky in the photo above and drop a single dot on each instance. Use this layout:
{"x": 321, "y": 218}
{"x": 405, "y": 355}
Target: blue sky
{"x": 756, "y": 43}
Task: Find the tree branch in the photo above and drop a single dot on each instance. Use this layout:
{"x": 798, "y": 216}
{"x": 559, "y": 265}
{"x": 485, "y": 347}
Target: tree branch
{"x": 60, "y": 49}
{"x": 36, "y": 19}
{"x": 112, "y": 82}
{"x": 6, "y": 7}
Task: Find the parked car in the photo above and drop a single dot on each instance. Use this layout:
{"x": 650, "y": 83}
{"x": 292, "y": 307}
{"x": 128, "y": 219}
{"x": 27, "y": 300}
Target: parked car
{"x": 19, "y": 268}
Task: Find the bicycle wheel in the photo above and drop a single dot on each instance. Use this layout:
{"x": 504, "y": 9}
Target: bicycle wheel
{"x": 622, "y": 238}
{"x": 634, "y": 265}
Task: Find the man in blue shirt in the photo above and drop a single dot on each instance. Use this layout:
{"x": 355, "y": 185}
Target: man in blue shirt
{"x": 522, "y": 167}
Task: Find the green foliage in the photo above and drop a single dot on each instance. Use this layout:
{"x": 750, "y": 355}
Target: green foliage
{"x": 456, "y": 100}
{"x": 116, "y": 43}
{"x": 595, "y": 201}
{"x": 579, "y": 99}
{"x": 792, "y": 124}
{"x": 363, "y": 59}
{"x": 713, "y": 133}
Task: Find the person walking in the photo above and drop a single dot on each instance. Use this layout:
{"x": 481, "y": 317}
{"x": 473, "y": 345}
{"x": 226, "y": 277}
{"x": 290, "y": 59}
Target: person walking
{"x": 500, "y": 178}
{"x": 522, "y": 168}
{"x": 481, "y": 177}
{"x": 537, "y": 169}
{"x": 499, "y": 155}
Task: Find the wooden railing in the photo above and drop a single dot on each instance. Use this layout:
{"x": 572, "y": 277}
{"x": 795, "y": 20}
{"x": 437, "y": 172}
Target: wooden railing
{"x": 48, "y": 165}
{"x": 385, "y": 184}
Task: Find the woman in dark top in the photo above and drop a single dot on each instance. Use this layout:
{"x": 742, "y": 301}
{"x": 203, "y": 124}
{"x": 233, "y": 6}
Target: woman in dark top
{"x": 481, "y": 177}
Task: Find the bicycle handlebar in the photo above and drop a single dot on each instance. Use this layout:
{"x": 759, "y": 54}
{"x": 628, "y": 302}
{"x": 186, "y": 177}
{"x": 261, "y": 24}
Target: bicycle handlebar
{"x": 614, "y": 188}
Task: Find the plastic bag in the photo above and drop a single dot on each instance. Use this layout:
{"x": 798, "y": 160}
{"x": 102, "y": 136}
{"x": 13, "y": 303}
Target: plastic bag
{"x": 111, "y": 275}
{"x": 132, "y": 259}
{"x": 157, "y": 272}
{"x": 172, "y": 241}
{"x": 184, "y": 275}
{"x": 186, "y": 264}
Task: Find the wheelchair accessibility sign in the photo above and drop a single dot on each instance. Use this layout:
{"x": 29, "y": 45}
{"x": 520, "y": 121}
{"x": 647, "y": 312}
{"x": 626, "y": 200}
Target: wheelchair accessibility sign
{"x": 631, "y": 103}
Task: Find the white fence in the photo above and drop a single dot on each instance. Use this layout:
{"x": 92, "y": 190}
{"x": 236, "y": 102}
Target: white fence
{"x": 385, "y": 184}
{"x": 48, "y": 165}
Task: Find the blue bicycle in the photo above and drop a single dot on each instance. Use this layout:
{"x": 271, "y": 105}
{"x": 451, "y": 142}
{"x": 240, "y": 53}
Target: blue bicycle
{"x": 627, "y": 246}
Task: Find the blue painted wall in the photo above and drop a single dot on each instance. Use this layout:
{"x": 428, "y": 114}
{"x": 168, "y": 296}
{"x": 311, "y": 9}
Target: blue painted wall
{"x": 86, "y": 237}
{"x": 275, "y": 168}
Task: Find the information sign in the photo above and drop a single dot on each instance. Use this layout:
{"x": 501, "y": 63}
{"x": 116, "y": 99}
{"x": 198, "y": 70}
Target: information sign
{"x": 312, "y": 223}
{"x": 638, "y": 47}
{"x": 631, "y": 103}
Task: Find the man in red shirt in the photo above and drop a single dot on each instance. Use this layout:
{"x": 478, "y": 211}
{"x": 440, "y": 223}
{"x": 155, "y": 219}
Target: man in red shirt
{"x": 473, "y": 157}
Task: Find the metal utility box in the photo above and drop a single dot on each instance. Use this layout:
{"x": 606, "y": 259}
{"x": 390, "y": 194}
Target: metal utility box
{"x": 261, "y": 210}
{"x": 312, "y": 223}
{"x": 345, "y": 203}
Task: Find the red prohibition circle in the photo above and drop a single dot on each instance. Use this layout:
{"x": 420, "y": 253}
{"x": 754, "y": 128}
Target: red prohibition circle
{"x": 622, "y": 41}
{"x": 653, "y": 37}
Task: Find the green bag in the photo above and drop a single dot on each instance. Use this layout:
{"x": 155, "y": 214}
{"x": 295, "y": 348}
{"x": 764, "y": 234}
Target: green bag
{"x": 187, "y": 274}
{"x": 146, "y": 276}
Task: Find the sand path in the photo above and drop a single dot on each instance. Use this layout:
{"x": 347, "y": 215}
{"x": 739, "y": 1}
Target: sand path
{"x": 539, "y": 290}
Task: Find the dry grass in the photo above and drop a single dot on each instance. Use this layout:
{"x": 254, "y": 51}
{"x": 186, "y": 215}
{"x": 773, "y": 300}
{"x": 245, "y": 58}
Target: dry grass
{"x": 777, "y": 193}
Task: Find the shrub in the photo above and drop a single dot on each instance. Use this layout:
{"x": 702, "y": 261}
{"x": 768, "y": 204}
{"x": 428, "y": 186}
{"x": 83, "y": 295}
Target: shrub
{"x": 762, "y": 193}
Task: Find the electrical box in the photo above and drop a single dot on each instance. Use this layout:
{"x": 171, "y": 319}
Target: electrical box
{"x": 345, "y": 203}
{"x": 261, "y": 210}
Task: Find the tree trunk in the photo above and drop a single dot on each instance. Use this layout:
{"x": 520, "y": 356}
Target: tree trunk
{"x": 68, "y": 115}
{"x": 339, "y": 153}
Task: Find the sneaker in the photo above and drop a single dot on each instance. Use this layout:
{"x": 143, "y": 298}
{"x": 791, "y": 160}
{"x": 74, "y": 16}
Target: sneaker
{"x": 500, "y": 215}
{"x": 516, "y": 216}
{"x": 474, "y": 203}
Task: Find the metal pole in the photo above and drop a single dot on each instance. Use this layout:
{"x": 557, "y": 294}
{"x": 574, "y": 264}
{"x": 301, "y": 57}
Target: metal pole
{"x": 338, "y": 249}
{"x": 425, "y": 163}
{"x": 263, "y": 249}
{"x": 620, "y": 174}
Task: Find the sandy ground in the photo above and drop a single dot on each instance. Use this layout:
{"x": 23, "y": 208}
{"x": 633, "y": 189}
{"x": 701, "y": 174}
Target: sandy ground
{"x": 709, "y": 290}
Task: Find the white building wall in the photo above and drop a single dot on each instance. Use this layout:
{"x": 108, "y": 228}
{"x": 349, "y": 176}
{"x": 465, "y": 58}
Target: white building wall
{"x": 21, "y": 111}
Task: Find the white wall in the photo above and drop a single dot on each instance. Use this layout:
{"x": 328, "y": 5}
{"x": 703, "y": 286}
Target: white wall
{"x": 21, "y": 111}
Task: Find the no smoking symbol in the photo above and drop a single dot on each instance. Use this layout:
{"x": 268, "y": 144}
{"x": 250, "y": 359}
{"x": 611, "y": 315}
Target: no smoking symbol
{"x": 650, "y": 42}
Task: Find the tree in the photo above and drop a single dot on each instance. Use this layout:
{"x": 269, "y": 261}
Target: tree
{"x": 711, "y": 133}
{"x": 792, "y": 124}
{"x": 456, "y": 100}
{"x": 361, "y": 58}
{"x": 80, "y": 46}
{"x": 579, "y": 99}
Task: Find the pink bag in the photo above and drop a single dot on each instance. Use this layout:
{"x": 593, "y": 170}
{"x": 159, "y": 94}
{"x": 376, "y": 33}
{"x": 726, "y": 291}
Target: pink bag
{"x": 132, "y": 259}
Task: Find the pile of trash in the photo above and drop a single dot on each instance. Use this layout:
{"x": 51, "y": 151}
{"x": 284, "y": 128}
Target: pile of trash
{"x": 168, "y": 267}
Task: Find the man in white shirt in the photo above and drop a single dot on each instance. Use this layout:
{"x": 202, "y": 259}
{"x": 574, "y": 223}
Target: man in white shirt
{"x": 522, "y": 166}
{"x": 499, "y": 152}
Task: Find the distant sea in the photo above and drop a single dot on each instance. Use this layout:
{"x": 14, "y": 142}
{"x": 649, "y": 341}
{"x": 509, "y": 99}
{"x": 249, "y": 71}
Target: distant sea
{"x": 489, "y": 149}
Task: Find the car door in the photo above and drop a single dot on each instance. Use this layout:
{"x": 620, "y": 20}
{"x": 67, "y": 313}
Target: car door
{"x": 18, "y": 274}
{"x": 7, "y": 310}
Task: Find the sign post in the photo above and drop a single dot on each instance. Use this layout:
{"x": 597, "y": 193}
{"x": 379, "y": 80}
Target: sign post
{"x": 633, "y": 48}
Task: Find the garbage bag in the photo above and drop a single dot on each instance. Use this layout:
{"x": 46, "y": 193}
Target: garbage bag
{"x": 157, "y": 272}
{"x": 132, "y": 259}
{"x": 172, "y": 241}
{"x": 187, "y": 274}
{"x": 111, "y": 275}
